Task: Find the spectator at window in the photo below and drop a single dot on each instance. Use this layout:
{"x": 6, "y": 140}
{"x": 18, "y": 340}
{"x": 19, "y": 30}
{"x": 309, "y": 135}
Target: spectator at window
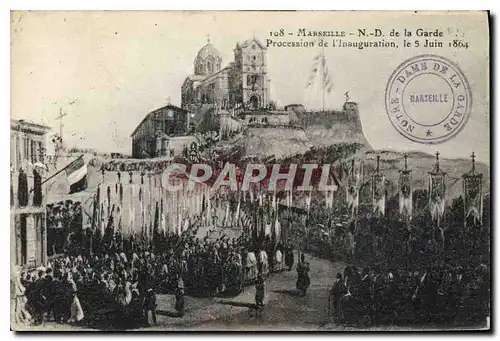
{"x": 37, "y": 188}
{"x": 22, "y": 189}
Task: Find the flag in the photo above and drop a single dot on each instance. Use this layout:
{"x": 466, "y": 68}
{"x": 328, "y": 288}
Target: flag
{"x": 226, "y": 214}
{"x": 163, "y": 221}
{"x": 237, "y": 215}
{"x": 314, "y": 70}
{"x": 157, "y": 219}
{"x": 121, "y": 194}
{"x": 437, "y": 191}
{"x": 329, "y": 86}
{"x": 77, "y": 175}
{"x": 108, "y": 201}
{"x": 289, "y": 198}
{"x": 141, "y": 202}
{"x": 473, "y": 196}
{"x": 277, "y": 229}
{"x": 353, "y": 192}
{"x": 131, "y": 208}
{"x": 405, "y": 194}
{"x": 308, "y": 202}
{"x": 378, "y": 194}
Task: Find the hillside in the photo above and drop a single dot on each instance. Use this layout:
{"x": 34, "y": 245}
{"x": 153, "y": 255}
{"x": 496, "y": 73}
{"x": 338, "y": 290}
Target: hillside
{"x": 284, "y": 141}
{"x": 327, "y": 128}
{"x": 321, "y": 134}
{"x": 278, "y": 141}
{"x": 391, "y": 162}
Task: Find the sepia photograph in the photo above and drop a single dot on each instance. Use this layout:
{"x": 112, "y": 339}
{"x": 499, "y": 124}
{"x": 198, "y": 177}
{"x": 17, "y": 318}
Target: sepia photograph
{"x": 318, "y": 171}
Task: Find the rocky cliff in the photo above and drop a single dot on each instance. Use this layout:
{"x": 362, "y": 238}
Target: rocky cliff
{"x": 333, "y": 127}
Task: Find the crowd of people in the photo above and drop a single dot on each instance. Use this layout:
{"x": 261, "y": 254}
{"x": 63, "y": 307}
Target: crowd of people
{"x": 62, "y": 218}
{"x": 121, "y": 285}
{"x": 435, "y": 296}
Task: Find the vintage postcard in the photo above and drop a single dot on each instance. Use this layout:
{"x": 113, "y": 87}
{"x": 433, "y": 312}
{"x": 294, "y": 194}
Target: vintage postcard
{"x": 250, "y": 171}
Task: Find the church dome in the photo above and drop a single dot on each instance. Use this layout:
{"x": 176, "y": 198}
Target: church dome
{"x": 208, "y": 51}
{"x": 207, "y": 61}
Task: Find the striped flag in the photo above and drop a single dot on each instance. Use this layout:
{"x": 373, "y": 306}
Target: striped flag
{"x": 77, "y": 175}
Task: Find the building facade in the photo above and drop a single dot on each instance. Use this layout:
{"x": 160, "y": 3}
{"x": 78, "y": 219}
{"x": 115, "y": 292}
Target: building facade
{"x": 157, "y": 134}
{"x": 27, "y": 196}
{"x": 242, "y": 83}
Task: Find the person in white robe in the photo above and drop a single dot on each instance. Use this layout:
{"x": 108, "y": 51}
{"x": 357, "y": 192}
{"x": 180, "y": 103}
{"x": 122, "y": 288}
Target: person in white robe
{"x": 20, "y": 311}
{"x": 76, "y": 308}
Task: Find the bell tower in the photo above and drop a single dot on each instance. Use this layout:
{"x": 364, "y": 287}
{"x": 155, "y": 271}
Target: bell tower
{"x": 253, "y": 63}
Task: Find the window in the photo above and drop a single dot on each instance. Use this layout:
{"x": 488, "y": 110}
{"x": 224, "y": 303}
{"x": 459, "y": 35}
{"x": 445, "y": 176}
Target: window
{"x": 252, "y": 80}
{"x": 26, "y": 148}
{"x": 254, "y": 57}
{"x": 33, "y": 152}
{"x": 24, "y": 240}
{"x": 18, "y": 153}
{"x": 41, "y": 152}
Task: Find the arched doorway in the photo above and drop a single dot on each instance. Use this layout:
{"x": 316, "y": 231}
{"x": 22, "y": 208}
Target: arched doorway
{"x": 254, "y": 102}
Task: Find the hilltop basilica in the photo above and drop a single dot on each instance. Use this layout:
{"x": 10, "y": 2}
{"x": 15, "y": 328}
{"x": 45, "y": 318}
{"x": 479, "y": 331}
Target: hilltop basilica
{"x": 244, "y": 82}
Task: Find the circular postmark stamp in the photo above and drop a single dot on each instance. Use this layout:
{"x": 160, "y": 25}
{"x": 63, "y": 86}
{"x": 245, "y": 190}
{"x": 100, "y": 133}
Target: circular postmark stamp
{"x": 428, "y": 99}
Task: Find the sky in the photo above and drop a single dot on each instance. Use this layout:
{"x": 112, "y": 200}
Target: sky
{"x": 107, "y": 70}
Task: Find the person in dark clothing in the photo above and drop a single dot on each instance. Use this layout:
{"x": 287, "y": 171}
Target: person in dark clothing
{"x": 40, "y": 294}
{"x": 22, "y": 189}
{"x": 37, "y": 188}
{"x": 179, "y": 299}
{"x": 303, "y": 280}
{"x": 337, "y": 291}
{"x": 364, "y": 294}
{"x": 150, "y": 307}
{"x": 431, "y": 295}
{"x": 60, "y": 306}
{"x": 289, "y": 257}
{"x": 259, "y": 291}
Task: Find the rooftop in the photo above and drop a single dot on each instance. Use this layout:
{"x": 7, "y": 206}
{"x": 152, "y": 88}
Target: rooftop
{"x": 209, "y": 51}
{"x": 21, "y": 124}
{"x": 169, "y": 106}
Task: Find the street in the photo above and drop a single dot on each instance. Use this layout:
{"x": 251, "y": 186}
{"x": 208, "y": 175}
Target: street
{"x": 284, "y": 308}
